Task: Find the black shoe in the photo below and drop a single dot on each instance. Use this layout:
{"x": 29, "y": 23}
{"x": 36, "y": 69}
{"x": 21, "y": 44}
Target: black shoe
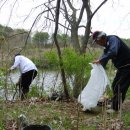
{"x": 103, "y": 103}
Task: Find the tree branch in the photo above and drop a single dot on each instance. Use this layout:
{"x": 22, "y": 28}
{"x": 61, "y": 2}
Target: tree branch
{"x": 98, "y": 8}
{"x": 58, "y": 23}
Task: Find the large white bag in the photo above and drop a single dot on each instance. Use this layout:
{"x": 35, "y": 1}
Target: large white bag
{"x": 95, "y": 87}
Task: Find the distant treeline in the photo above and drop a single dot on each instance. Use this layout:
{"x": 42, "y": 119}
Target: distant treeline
{"x": 17, "y": 37}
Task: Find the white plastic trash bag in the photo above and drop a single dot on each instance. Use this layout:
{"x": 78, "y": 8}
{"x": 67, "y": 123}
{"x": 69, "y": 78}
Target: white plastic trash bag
{"x": 95, "y": 87}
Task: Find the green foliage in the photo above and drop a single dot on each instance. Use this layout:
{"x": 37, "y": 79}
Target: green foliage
{"x": 126, "y": 118}
{"x": 51, "y": 59}
{"x": 128, "y": 94}
{"x": 63, "y": 39}
{"x": 2, "y": 77}
{"x": 127, "y": 41}
{"x": 34, "y": 92}
{"x": 40, "y": 62}
{"x": 41, "y": 37}
{"x": 75, "y": 63}
{"x": 21, "y": 31}
{"x": 76, "y": 66}
{"x": 5, "y": 31}
{"x": 1, "y": 126}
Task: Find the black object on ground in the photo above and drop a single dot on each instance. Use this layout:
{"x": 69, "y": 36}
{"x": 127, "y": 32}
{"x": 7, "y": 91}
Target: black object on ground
{"x": 108, "y": 102}
{"x": 37, "y": 127}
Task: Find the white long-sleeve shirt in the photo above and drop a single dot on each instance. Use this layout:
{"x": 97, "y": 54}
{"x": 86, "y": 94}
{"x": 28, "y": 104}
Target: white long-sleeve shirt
{"x": 23, "y": 63}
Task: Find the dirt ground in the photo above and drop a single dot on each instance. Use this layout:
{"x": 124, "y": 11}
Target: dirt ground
{"x": 126, "y": 106}
{"x": 61, "y": 111}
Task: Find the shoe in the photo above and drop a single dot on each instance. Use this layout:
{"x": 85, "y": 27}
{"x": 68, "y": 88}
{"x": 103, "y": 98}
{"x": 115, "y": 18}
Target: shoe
{"x": 110, "y": 111}
{"x": 104, "y": 102}
{"x": 84, "y": 109}
{"x": 100, "y": 104}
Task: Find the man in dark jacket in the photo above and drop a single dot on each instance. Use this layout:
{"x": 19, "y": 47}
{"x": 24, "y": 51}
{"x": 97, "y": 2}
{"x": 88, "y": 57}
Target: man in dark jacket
{"x": 116, "y": 50}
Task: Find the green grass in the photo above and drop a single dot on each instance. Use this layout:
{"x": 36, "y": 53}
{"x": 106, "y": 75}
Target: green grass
{"x": 126, "y": 118}
{"x": 59, "y": 115}
{"x": 128, "y": 94}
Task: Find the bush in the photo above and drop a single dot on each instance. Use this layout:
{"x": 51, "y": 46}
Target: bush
{"x": 51, "y": 59}
{"x": 75, "y": 63}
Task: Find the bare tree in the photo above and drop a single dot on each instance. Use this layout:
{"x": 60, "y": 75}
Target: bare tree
{"x": 90, "y": 15}
{"x": 74, "y": 27}
{"x": 72, "y": 22}
{"x": 58, "y": 49}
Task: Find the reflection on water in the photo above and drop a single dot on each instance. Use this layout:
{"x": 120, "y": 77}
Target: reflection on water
{"x": 45, "y": 81}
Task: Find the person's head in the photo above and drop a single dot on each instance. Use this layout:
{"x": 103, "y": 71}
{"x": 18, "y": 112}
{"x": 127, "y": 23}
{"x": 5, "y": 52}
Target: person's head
{"x": 99, "y": 38}
{"x": 17, "y": 54}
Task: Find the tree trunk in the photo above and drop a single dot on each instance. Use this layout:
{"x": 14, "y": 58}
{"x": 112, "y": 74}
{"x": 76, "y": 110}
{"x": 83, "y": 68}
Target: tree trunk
{"x": 75, "y": 40}
{"x": 59, "y": 51}
{"x": 86, "y": 37}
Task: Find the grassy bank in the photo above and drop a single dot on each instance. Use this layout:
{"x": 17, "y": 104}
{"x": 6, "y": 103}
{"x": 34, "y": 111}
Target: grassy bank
{"x": 61, "y": 115}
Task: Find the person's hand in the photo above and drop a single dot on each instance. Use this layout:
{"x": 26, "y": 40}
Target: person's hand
{"x": 96, "y": 62}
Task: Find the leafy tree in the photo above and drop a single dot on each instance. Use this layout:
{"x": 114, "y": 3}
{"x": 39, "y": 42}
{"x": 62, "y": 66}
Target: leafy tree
{"x": 41, "y": 37}
{"x": 63, "y": 39}
{"x": 21, "y": 33}
{"x": 127, "y": 41}
{"x": 5, "y": 31}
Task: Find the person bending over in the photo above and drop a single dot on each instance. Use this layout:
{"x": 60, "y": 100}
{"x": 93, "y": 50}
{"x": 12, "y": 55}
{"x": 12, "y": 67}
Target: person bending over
{"x": 28, "y": 72}
{"x": 116, "y": 50}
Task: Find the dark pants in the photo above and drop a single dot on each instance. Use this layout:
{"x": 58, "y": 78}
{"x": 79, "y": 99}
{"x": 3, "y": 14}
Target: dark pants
{"x": 120, "y": 86}
{"x": 25, "y": 81}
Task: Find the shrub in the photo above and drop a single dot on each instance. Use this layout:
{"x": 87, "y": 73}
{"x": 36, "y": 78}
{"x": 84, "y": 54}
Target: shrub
{"x": 51, "y": 59}
{"x": 76, "y": 64}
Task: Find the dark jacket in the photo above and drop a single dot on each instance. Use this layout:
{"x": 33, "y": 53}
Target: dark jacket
{"x": 117, "y": 51}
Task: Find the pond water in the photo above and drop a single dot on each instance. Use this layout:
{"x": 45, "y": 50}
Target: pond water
{"x": 47, "y": 81}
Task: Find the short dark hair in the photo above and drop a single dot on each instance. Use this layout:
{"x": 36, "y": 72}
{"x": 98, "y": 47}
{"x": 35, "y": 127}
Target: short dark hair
{"x": 17, "y": 54}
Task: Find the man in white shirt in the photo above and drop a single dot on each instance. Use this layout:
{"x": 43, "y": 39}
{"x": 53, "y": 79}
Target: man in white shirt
{"x": 28, "y": 73}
